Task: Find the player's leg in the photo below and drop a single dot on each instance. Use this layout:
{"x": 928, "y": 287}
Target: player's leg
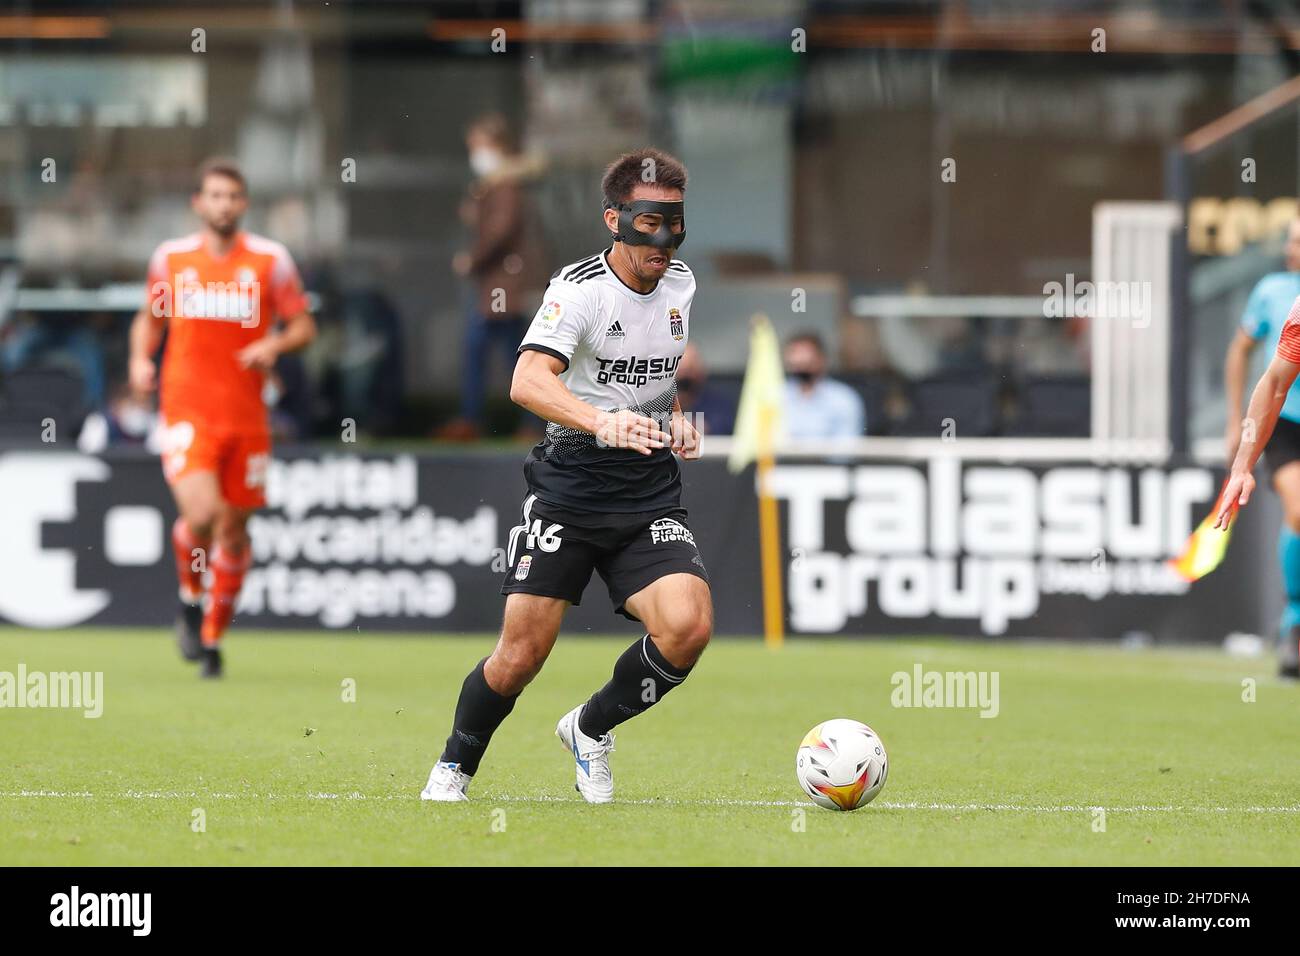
{"x": 232, "y": 555}
{"x": 1286, "y": 481}
{"x": 549, "y": 565}
{"x": 677, "y": 611}
{"x": 656, "y": 577}
{"x": 196, "y": 490}
{"x": 243, "y": 464}
{"x": 528, "y": 632}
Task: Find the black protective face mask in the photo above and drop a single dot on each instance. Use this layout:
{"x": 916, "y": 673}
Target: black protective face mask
{"x": 804, "y": 377}
{"x": 661, "y": 238}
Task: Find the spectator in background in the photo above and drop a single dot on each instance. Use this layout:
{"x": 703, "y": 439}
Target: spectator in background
{"x": 369, "y": 359}
{"x": 716, "y": 409}
{"x": 501, "y": 263}
{"x": 127, "y": 420}
{"x": 817, "y": 407}
{"x": 288, "y": 397}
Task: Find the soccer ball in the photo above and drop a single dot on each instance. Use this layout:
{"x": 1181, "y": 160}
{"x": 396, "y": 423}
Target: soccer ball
{"x": 841, "y": 764}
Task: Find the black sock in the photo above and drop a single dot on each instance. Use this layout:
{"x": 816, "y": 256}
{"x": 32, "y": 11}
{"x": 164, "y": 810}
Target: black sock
{"x": 479, "y": 712}
{"x": 641, "y": 678}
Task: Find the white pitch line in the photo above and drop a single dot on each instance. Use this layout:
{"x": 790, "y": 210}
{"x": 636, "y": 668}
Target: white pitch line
{"x": 544, "y": 798}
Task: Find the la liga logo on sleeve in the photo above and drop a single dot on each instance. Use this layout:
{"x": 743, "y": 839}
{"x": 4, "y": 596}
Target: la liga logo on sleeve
{"x": 548, "y": 319}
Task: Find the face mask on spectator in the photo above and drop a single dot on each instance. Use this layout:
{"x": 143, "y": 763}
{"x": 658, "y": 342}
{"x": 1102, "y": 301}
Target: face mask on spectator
{"x": 804, "y": 377}
{"x": 134, "y": 420}
{"x": 270, "y": 393}
{"x": 485, "y": 162}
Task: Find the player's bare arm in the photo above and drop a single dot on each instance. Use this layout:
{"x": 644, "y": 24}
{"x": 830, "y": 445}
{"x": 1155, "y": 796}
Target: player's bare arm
{"x": 1265, "y": 405}
{"x": 1235, "y": 364}
{"x": 145, "y": 339}
{"x": 296, "y": 333}
{"x": 536, "y": 386}
{"x": 686, "y": 437}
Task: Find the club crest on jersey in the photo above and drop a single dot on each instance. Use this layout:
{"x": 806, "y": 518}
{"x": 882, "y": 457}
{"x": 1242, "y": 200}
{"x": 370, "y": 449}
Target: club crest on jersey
{"x": 522, "y": 569}
{"x": 675, "y": 324}
{"x": 667, "y": 529}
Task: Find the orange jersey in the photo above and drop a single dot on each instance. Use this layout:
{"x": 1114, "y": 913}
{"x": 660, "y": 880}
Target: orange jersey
{"x": 1288, "y": 345}
{"x": 214, "y": 306}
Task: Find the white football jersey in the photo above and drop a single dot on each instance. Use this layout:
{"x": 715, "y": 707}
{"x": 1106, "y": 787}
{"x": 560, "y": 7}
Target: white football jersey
{"x": 621, "y": 349}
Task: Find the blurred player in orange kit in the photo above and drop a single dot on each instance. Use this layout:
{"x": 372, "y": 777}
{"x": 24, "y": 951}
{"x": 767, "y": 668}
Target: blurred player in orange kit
{"x": 217, "y": 293}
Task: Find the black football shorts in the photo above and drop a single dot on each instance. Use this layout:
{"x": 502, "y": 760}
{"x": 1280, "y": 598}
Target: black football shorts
{"x": 552, "y": 552}
{"x": 1283, "y": 446}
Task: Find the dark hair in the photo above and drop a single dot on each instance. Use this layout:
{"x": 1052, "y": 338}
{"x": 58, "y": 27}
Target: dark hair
{"x": 219, "y": 166}
{"x": 811, "y": 338}
{"x": 629, "y": 170}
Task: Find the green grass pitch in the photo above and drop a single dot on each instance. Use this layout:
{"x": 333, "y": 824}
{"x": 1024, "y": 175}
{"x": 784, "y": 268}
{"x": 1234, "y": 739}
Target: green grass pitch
{"x": 286, "y": 772}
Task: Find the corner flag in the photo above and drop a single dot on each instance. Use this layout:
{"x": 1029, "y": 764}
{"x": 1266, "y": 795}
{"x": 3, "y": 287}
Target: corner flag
{"x": 758, "y": 417}
{"x": 1205, "y": 546}
{"x": 758, "y": 422}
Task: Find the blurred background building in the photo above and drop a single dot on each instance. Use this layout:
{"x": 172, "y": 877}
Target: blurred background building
{"x": 902, "y": 179}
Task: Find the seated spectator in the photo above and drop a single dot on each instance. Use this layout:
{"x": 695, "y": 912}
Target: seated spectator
{"x": 127, "y": 420}
{"x": 816, "y": 406}
{"x": 288, "y": 398}
{"x": 715, "y": 411}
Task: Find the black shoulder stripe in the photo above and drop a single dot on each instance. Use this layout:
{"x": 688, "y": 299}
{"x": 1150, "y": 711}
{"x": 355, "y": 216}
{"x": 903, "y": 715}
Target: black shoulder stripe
{"x": 581, "y": 267}
{"x": 590, "y": 273}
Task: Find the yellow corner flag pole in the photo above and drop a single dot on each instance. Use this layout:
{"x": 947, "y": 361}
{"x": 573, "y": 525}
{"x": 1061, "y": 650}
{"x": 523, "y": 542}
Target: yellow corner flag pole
{"x": 758, "y": 422}
{"x": 769, "y": 536}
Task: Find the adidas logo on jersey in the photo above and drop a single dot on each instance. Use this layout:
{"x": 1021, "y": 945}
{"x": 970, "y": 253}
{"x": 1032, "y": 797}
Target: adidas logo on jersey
{"x": 615, "y": 331}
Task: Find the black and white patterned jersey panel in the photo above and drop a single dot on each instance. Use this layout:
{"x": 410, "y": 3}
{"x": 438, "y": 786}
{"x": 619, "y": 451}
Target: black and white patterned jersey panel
{"x": 621, "y": 349}
{"x": 568, "y": 441}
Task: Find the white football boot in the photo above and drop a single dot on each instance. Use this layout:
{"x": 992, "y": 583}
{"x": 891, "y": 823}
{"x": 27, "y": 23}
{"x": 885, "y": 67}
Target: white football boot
{"x": 446, "y": 784}
{"x": 594, "y": 780}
